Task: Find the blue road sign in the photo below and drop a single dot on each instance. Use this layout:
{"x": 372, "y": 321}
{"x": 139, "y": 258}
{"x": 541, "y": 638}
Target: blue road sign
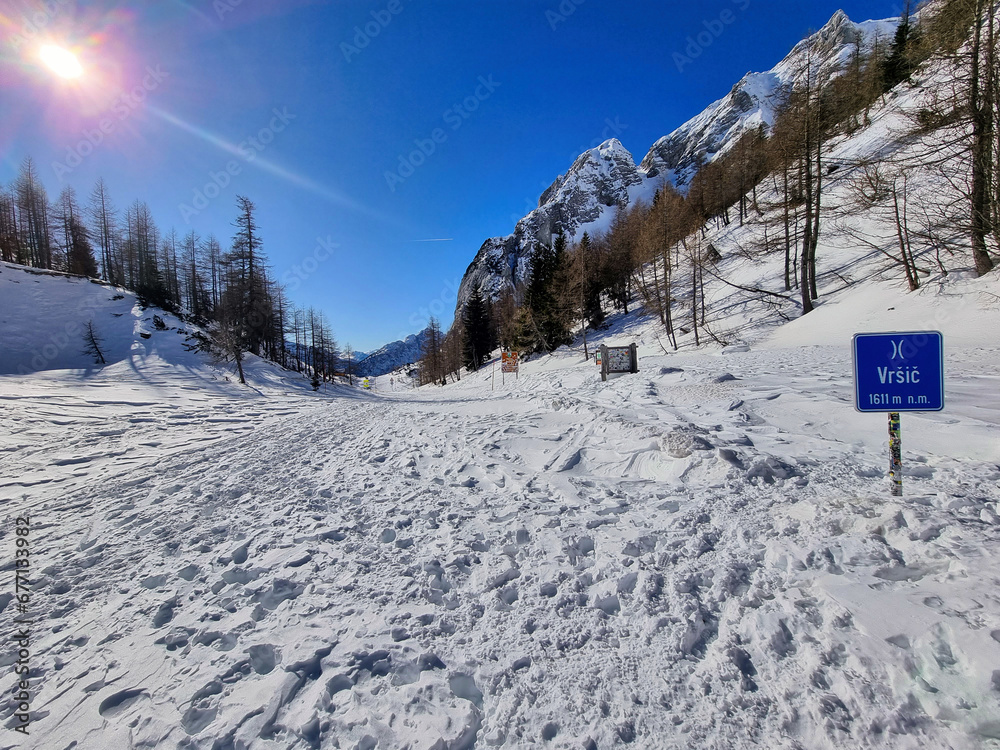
{"x": 899, "y": 371}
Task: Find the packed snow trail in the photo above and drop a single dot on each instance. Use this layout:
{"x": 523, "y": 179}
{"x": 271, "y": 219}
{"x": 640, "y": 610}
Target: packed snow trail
{"x": 673, "y": 559}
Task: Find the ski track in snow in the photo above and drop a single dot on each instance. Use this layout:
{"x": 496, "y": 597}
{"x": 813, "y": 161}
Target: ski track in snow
{"x": 674, "y": 559}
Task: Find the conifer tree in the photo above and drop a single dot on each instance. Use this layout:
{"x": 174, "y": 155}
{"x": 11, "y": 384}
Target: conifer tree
{"x": 35, "y": 241}
{"x": 92, "y": 343}
{"x": 619, "y": 255}
{"x": 478, "y": 339}
{"x": 103, "y": 221}
{"x": 431, "y": 360}
{"x": 246, "y": 254}
{"x": 8, "y": 228}
{"x": 547, "y": 320}
{"x": 80, "y": 256}
{"x": 899, "y": 64}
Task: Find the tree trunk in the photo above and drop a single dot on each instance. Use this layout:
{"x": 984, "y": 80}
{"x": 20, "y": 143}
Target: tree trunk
{"x": 807, "y": 305}
{"x": 788, "y": 236}
{"x": 239, "y": 363}
{"x": 814, "y": 239}
{"x": 982, "y": 121}
{"x": 911, "y": 277}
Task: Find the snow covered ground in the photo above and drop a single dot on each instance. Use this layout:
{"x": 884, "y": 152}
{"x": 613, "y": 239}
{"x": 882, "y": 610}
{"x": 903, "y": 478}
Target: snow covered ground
{"x": 702, "y": 555}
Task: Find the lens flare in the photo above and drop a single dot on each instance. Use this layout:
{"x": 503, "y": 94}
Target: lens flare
{"x": 61, "y": 61}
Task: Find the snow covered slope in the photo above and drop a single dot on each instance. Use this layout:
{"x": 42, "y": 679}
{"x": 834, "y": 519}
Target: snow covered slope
{"x": 702, "y": 555}
{"x": 44, "y": 316}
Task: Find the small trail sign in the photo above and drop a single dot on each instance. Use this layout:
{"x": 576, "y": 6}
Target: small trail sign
{"x": 897, "y": 372}
{"x": 508, "y": 362}
{"x": 618, "y": 359}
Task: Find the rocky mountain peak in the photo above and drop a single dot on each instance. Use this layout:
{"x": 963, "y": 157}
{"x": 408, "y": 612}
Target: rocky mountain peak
{"x": 608, "y": 163}
{"x": 606, "y": 177}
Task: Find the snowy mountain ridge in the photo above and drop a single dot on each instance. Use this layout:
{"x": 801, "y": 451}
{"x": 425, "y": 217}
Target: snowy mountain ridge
{"x": 392, "y": 356}
{"x": 755, "y": 99}
{"x": 602, "y": 179}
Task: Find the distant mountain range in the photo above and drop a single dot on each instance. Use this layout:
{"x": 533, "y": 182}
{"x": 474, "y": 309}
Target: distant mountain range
{"x": 391, "y": 356}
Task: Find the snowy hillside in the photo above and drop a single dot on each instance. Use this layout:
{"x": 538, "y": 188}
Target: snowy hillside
{"x": 703, "y": 555}
{"x": 606, "y": 177}
{"x": 44, "y": 317}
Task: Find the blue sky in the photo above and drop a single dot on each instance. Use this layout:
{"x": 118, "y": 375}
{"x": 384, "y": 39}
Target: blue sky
{"x": 363, "y": 129}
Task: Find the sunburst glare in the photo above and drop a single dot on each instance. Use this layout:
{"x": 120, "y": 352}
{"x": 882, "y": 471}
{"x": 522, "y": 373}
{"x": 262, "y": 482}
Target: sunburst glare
{"x": 61, "y": 61}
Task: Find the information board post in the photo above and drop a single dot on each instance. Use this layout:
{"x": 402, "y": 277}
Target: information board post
{"x": 897, "y": 372}
{"x": 617, "y": 359}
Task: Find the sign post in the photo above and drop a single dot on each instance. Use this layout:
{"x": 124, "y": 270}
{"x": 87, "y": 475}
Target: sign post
{"x": 895, "y": 455}
{"x": 897, "y": 372}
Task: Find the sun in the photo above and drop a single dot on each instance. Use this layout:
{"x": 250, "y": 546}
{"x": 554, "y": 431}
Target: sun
{"x": 61, "y": 61}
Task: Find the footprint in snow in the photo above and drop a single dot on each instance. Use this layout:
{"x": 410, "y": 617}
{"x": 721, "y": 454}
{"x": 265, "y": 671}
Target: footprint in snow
{"x": 117, "y": 703}
{"x": 164, "y": 613}
{"x": 263, "y": 658}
